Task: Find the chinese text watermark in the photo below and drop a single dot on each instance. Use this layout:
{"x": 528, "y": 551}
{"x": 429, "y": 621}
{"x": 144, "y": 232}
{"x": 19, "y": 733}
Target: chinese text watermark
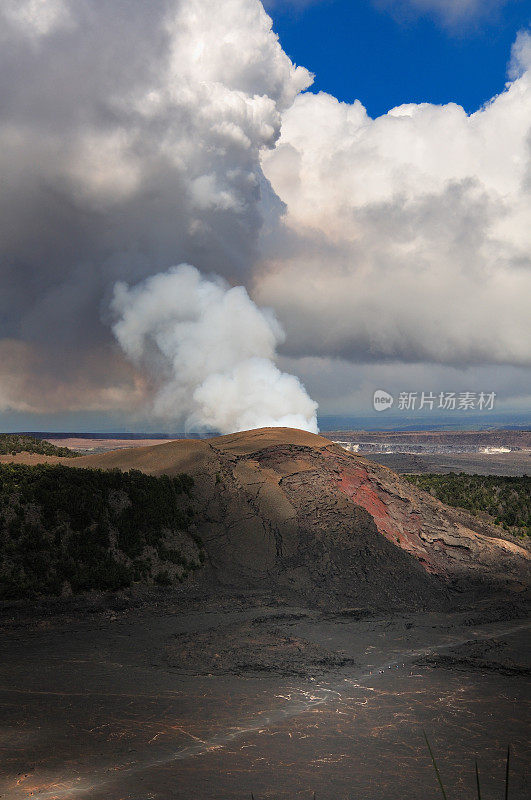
{"x": 444, "y": 401}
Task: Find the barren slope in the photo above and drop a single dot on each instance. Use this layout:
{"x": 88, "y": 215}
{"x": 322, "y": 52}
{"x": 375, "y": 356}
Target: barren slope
{"x": 290, "y": 512}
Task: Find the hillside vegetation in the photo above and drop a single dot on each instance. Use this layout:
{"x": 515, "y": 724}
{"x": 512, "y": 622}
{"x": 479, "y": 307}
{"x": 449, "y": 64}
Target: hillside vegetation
{"x": 507, "y": 500}
{"x": 66, "y": 530}
{"x": 12, "y": 443}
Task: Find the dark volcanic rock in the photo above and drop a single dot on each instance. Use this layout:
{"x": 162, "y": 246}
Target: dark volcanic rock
{"x": 504, "y": 656}
{"x": 248, "y": 648}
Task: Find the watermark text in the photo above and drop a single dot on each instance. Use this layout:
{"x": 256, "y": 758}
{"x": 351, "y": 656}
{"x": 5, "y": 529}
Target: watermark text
{"x": 442, "y": 401}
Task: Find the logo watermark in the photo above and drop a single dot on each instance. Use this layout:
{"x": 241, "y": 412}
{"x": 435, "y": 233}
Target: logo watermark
{"x": 382, "y": 400}
{"x": 442, "y": 401}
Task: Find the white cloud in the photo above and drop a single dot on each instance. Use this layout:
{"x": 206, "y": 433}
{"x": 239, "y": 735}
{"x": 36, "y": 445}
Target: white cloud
{"x": 406, "y": 237}
{"x": 36, "y": 18}
{"x": 520, "y": 55}
{"x": 296, "y": 4}
{"x": 451, "y": 12}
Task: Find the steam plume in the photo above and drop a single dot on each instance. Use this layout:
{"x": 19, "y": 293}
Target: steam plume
{"x": 210, "y": 350}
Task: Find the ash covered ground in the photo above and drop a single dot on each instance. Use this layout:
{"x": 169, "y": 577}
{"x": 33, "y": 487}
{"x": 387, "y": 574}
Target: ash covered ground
{"x": 166, "y": 696}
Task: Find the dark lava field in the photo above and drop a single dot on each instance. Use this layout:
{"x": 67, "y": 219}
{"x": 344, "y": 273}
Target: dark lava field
{"x": 169, "y": 697}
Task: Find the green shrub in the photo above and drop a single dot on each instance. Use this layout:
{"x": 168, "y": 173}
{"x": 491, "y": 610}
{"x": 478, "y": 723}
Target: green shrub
{"x": 507, "y": 500}
{"x": 91, "y": 529}
{"x": 12, "y": 443}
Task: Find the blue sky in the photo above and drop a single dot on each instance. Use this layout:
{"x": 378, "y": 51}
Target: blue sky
{"x": 358, "y": 50}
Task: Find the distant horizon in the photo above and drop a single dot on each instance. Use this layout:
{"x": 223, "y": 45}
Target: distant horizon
{"x": 327, "y": 423}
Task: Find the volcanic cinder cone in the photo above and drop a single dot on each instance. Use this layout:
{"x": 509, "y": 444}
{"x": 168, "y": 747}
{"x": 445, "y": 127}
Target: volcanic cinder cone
{"x": 290, "y": 513}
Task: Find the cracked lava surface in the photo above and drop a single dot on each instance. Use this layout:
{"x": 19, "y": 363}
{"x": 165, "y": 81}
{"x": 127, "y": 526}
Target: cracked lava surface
{"x": 219, "y": 700}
